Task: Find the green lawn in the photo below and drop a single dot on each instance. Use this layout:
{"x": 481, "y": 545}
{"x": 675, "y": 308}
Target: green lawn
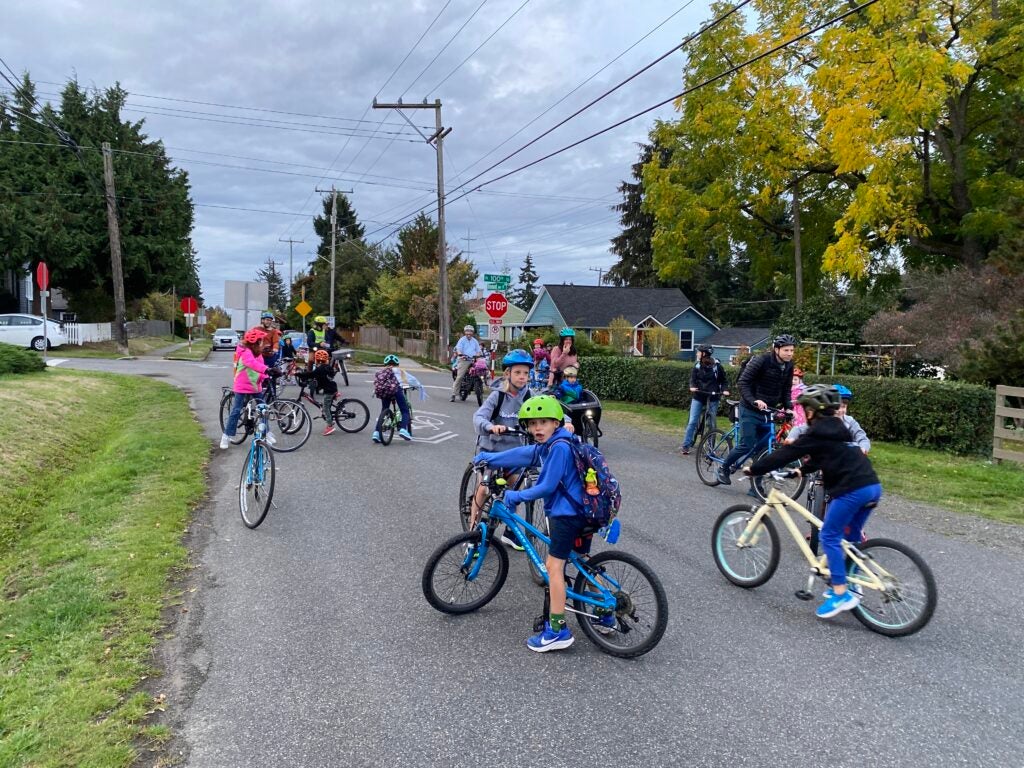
{"x": 200, "y": 351}
{"x": 368, "y": 357}
{"x": 108, "y": 349}
{"x": 962, "y": 484}
{"x": 100, "y": 486}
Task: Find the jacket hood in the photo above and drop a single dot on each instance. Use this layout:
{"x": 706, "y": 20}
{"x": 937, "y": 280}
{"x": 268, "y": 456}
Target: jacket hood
{"x": 829, "y": 428}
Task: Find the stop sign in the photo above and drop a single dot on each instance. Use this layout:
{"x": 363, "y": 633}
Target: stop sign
{"x": 189, "y": 305}
{"x": 43, "y": 276}
{"x": 495, "y": 305}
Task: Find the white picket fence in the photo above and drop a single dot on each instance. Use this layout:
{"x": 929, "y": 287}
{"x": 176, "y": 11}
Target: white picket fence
{"x": 79, "y": 333}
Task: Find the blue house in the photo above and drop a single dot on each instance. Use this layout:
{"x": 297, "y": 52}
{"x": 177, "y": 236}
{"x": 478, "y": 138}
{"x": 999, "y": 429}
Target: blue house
{"x": 728, "y": 341}
{"x": 590, "y": 309}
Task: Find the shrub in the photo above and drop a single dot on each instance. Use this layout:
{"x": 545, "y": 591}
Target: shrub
{"x": 17, "y": 360}
{"x": 941, "y": 415}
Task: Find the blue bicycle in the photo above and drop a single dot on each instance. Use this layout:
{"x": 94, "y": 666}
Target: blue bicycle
{"x": 256, "y": 485}
{"x": 467, "y": 572}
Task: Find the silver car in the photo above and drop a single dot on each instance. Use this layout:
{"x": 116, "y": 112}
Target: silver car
{"x": 225, "y": 338}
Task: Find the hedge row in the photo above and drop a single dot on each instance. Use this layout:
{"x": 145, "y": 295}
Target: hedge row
{"x": 924, "y": 413}
{"x": 18, "y": 360}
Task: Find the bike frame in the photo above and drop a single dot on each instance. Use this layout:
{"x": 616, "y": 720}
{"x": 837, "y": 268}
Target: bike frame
{"x": 768, "y": 441}
{"x": 500, "y": 513}
{"x": 781, "y": 504}
{"x": 254, "y": 462}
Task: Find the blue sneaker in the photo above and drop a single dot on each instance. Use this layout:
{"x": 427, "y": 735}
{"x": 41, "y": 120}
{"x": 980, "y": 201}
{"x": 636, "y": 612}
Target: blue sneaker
{"x": 376, "y": 437}
{"x": 837, "y": 604}
{"x": 855, "y": 588}
{"x": 548, "y": 640}
{"x": 404, "y": 434}
{"x": 723, "y": 476}
{"x": 606, "y": 624}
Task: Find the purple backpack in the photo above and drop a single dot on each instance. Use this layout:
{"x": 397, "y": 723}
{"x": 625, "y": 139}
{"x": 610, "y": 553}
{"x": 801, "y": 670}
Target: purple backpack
{"x": 385, "y": 383}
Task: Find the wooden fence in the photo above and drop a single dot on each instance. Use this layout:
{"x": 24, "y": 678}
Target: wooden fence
{"x": 1008, "y": 435}
{"x": 416, "y": 343}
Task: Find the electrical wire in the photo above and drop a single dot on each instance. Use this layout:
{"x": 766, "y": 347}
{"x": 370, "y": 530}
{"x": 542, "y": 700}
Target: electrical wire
{"x": 443, "y": 49}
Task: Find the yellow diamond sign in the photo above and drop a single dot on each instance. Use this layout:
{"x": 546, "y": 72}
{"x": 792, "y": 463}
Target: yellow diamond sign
{"x": 303, "y": 308}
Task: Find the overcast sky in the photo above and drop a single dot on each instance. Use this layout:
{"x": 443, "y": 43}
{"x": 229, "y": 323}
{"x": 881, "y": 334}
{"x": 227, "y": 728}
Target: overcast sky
{"x": 320, "y": 68}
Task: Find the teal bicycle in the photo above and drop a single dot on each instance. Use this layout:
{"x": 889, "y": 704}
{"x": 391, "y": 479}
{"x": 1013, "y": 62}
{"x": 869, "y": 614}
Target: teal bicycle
{"x": 256, "y": 485}
{"x": 467, "y": 572}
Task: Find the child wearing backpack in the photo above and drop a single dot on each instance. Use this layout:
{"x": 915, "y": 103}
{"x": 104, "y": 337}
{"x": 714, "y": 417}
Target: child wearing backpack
{"x": 561, "y": 487}
{"x": 388, "y": 385}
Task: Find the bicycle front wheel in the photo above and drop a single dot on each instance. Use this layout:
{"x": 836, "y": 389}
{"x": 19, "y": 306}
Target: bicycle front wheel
{"x": 752, "y": 564}
{"x": 387, "y": 429}
{"x": 641, "y": 607}
{"x": 907, "y": 601}
{"x": 452, "y": 583}
{"x": 290, "y": 424}
{"x": 256, "y": 485}
{"x": 791, "y": 486}
{"x": 711, "y": 453}
{"x": 351, "y": 415}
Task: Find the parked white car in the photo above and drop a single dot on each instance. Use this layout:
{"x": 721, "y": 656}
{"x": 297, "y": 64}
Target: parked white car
{"x": 27, "y": 331}
{"x": 225, "y": 338}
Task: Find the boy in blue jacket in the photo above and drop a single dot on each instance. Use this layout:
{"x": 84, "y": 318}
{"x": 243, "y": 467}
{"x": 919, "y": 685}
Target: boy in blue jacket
{"x": 560, "y": 486}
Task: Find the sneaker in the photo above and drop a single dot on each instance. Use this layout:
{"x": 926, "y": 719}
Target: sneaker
{"x": 549, "y": 640}
{"x": 723, "y": 476}
{"x": 329, "y": 430}
{"x": 404, "y": 434}
{"x": 376, "y": 437}
{"x": 837, "y": 604}
{"x": 452, "y": 400}
{"x": 225, "y": 442}
{"x": 684, "y": 451}
{"x": 606, "y": 624}
{"x": 855, "y": 588}
{"x": 510, "y": 541}
{"x": 271, "y": 440}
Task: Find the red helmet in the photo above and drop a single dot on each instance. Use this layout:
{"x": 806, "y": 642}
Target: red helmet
{"x": 798, "y": 372}
{"x": 538, "y": 341}
{"x": 254, "y": 336}
{"x": 321, "y": 356}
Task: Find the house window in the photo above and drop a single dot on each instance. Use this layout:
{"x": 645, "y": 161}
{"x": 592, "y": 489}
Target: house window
{"x": 599, "y": 336}
{"x": 686, "y": 341}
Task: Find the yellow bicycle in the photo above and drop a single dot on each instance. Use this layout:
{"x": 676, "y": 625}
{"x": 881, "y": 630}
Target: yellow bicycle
{"x": 896, "y": 586}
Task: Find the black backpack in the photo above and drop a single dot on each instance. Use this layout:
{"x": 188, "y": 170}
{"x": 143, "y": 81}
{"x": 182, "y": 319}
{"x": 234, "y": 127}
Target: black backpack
{"x": 501, "y": 402}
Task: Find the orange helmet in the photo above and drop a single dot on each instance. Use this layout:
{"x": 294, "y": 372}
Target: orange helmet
{"x": 321, "y": 356}
{"x": 254, "y": 336}
{"x": 538, "y": 341}
{"x": 798, "y": 372}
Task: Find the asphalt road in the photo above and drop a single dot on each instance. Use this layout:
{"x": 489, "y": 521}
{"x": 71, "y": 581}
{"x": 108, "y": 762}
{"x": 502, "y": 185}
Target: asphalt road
{"x": 308, "y": 642}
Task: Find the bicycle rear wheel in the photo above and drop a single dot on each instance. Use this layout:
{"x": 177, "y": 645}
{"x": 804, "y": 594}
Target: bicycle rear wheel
{"x": 467, "y": 490}
{"x": 641, "y": 607}
{"x": 351, "y": 415}
{"x": 290, "y": 424}
{"x": 711, "y": 453}
{"x": 387, "y": 429}
{"x": 256, "y": 485}
{"x": 791, "y": 486}
{"x": 907, "y": 602}
{"x": 536, "y": 516}
{"x": 225, "y": 408}
{"x": 751, "y": 565}
{"x": 448, "y": 581}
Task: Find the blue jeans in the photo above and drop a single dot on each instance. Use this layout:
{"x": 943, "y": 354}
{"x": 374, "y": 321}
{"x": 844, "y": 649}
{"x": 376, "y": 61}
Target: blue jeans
{"x": 403, "y": 407}
{"x": 696, "y": 411}
{"x": 846, "y": 513}
{"x": 754, "y": 431}
{"x": 236, "y": 411}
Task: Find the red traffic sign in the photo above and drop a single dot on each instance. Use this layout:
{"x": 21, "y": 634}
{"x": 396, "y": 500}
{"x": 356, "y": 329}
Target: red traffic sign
{"x": 43, "y": 276}
{"x": 496, "y": 305}
{"x": 189, "y": 305}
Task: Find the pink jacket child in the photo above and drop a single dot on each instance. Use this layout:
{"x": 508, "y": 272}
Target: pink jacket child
{"x": 250, "y": 371}
{"x": 799, "y": 417}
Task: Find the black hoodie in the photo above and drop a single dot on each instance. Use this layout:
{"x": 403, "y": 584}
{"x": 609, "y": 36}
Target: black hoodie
{"x": 830, "y": 448}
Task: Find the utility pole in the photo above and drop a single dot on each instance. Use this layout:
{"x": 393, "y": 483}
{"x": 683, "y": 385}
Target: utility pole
{"x": 291, "y": 279}
{"x": 437, "y": 141}
{"x": 599, "y": 270}
{"x": 334, "y": 233}
{"x": 115, "y": 251}
{"x": 469, "y": 242}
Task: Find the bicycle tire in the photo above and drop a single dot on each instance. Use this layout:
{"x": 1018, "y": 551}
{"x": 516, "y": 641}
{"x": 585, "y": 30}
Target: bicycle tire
{"x": 641, "y": 605}
{"x": 467, "y": 490}
{"x": 883, "y": 612}
{"x": 244, "y": 428}
{"x": 254, "y": 498}
{"x": 592, "y": 429}
{"x": 757, "y": 566}
{"x": 387, "y": 429}
{"x": 225, "y": 409}
{"x": 451, "y": 563}
{"x": 711, "y": 450}
{"x": 791, "y": 486}
{"x": 351, "y": 415}
{"x": 536, "y": 516}
{"x": 478, "y": 390}
{"x": 294, "y": 425}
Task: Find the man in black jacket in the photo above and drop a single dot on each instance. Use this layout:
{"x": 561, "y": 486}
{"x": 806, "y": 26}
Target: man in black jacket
{"x": 765, "y": 384}
{"x": 707, "y": 384}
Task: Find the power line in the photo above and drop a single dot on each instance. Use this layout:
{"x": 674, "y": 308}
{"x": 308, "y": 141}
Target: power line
{"x": 443, "y": 49}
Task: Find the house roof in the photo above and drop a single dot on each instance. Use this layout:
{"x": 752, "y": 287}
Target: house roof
{"x": 737, "y": 337}
{"x": 595, "y": 306}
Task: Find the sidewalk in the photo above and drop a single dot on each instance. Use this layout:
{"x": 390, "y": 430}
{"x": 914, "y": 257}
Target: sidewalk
{"x": 165, "y": 350}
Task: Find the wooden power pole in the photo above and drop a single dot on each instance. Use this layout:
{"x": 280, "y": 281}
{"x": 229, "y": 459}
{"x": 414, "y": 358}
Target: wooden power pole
{"x": 120, "y": 330}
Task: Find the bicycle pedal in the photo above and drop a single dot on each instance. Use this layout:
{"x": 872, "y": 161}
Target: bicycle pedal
{"x": 803, "y": 594}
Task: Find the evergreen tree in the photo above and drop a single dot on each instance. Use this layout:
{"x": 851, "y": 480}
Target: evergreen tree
{"x": 525, "y": 292}
{"x": 635, "y": 266}
{"x": 417, "y": 244}
{"x": 277, "y": 295}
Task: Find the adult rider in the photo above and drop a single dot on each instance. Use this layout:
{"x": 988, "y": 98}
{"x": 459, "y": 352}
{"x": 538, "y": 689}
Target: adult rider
{"x": 467, "y": 349}
{"x": 764, "y": 384}
{"x": 316, "y": 337}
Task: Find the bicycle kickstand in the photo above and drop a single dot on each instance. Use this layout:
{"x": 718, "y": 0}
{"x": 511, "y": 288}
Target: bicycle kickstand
{"x": 806, "y": 593}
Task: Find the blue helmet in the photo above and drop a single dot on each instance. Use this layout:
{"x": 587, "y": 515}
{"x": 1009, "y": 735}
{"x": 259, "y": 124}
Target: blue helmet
{"x": 844, "y": 392}
{"x": 266, "y": 314}
{"x": 391, "y": 360}
{"x": 517, "y": 357}
{"x": 567, "y": 332}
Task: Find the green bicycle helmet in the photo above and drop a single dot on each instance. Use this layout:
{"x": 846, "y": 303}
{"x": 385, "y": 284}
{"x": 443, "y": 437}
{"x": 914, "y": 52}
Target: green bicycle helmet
{"x": 819, "y": 397}
{"x": 541, "y": 407}
{"x": 567, "y": 332}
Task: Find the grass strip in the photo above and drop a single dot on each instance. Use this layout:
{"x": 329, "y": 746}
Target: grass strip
{"x": 200, "y": 351}
{"x": 108, "y": 470}
{"x": 141, "y": 345}
{"x": 976, "y": 486}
